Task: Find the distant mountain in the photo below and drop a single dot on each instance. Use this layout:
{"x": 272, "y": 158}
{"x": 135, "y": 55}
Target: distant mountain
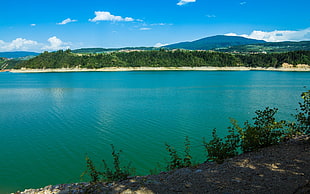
{"x": 17, "y": 54}
{"x": 269, "y": 47}
{"x": 104, "y": 50}
{"x": 214, "y": 42}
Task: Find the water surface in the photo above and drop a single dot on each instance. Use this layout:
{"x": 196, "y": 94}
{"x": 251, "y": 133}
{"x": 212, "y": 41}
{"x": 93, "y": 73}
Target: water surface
{"x": 50, "y": 121}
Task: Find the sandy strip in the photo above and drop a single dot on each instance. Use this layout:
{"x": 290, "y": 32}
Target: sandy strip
{"x": 23, "y": 70}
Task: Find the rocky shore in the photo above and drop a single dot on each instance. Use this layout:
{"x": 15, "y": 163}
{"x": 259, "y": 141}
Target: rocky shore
{"x": 24, "y": 70}
{"x": 283, "y": 168}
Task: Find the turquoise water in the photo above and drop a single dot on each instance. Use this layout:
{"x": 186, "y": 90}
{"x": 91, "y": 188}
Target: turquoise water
{"x": 50, "y": 121}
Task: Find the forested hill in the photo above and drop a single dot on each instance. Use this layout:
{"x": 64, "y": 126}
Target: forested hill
{"x": 161, "y": 58}
{"x": 268, "y": 47}
{"x": 214, "y": 42}
{"x": 105, "y": 50}
{"x": 17, "y": 54}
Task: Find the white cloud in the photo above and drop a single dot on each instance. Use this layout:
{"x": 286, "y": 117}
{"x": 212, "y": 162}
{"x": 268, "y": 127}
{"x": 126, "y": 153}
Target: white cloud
{"x": 33, "y": 25}
{"x": 107, "y": 16}
{"x": 19, "y": 44}
{"x": 22, "y": 44}
{"x": 211, "y": 16}
{"x": 277, "y": 35}
{"x": 159, "y": 44}
{"x": 56, "y": 44}
{"x": 66, "y": 21}
{"x": 183, "y": 2}
{"x": 145, "y": 28}
{"x": 161, "y": 24}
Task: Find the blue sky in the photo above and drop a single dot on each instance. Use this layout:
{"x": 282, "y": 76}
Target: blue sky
{"x": 34, "y": 25}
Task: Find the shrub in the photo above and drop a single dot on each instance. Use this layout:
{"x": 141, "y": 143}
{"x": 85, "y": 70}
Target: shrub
{"x": 219, "y": 149}
{"x": 264, "y": 132}
{"x": 93, "y": 173}
{"x": 303, "y": 117}
{"x": 175, "y": 160}
{"x": 117, "y": 173}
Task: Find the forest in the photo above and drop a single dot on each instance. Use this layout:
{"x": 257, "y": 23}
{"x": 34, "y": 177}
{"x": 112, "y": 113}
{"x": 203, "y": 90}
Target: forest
{"x": 160, "y": 58}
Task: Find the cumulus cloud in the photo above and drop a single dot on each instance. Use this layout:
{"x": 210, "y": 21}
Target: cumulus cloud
{"x": 56, "y": 44}
{"x": 145, "y": 28}
{"x": 277, "y": 35}
{"x": 33, "y": 25}
{"x": 159, "y": 44}
{"x": 66, "y": 21}
{"x": 19, "y": 44}
{"x": 22, "y": 44}
{"x": 183, "y": 2}
{"x": 107, "y": 16}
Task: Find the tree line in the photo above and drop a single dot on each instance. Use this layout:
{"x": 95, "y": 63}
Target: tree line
{"x": 161, "y": 58}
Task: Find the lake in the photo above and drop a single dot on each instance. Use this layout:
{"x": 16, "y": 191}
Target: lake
{"x": 51, "y": 121}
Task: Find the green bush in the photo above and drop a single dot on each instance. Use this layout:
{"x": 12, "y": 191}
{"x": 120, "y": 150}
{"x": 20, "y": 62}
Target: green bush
{"x": 303, "y": 117}
{"x": 176, "y": 161}
{"x": 264, "y": 132}
{"x": 219, "y": 149}
{"x": 117, "y": 173}
{"x": 93, "y": 173}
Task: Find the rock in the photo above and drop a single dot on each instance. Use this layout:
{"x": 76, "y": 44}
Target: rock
{"x": 188, "y": 185}
{"x": 182, "y": 172}
{"x": 198, "y": 171}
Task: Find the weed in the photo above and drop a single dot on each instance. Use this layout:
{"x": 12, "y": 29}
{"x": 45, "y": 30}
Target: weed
{"x": 175, "y": 160}
{"x": 303, "y": 117}
{"x": 94, "y": 174}
{"x": 117, "y": 173}
{"x": 219, "y": 149}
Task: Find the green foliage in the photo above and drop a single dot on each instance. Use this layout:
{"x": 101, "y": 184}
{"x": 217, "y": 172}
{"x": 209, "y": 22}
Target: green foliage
{"x": 159, "y": 58}
{"x": 117, "y": 173}
{"x": 187, "y": 157}
{"x": 269, "y": 47}
{"x": 157, "y": 169}
{"x": 264, "y": 132}
{"x": 176, "y": 161}
{"x": 303, "y": 117}
{"x": 219, "y": 149}
{"x": 93, "y": 173}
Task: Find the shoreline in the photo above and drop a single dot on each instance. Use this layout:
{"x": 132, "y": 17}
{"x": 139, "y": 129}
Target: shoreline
{"x": 281, "y": 168}
{"x": 111, "y": 69}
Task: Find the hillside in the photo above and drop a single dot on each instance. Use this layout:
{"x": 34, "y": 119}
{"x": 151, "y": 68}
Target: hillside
{"x": 269, "y": 47}
{"x": 219, "y": 43}
{"x": 17, "y": 54}
{"x": 106, "y": 50}
{"x": 161, "y": 58}
{"x": 214, "y": 42}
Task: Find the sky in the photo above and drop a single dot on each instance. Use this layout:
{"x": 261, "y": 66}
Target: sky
{"x": 48, "y": 25}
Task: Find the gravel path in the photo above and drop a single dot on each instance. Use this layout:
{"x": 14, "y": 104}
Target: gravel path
{"x": 283, "y": 168}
